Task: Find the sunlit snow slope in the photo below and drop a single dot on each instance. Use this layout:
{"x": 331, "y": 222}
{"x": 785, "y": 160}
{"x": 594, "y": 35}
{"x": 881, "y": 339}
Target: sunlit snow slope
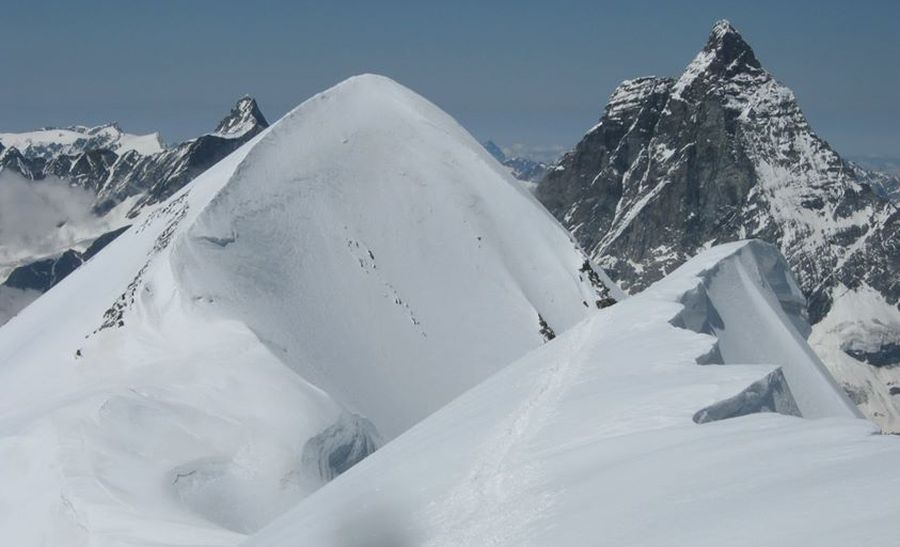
{"x": 342, "y": 275}
{"x": 613, "y": 434}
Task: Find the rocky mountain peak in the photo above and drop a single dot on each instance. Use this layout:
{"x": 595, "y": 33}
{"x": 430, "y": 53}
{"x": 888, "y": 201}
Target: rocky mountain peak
{"x": 726, "y": 57}
{"x": 725, "y": 153}
{"x": 243, "y": 118}
{"x": 728, "y": 48}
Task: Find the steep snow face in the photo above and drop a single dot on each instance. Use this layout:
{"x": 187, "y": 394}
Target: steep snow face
{"x": 724, "y": 153}
{"x": 402, "y": 261}
{"x": 206, "y": 370}
{"x": 593, "y": 438}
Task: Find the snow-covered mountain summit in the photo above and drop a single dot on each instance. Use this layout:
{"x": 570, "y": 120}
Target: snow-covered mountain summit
{"x": 339, "y": 277}
{"x": 721, "y": 153}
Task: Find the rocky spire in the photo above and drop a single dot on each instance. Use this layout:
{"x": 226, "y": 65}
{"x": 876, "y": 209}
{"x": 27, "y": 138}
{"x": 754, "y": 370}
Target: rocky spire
{"x": 724, "y": 56}
{"x": 725, "y": 153}
{"x": 728, "y": 49}
{"x": 243, "y": 118}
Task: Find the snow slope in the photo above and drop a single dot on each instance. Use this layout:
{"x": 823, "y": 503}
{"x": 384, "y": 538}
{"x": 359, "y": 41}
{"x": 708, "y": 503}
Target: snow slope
{"x": 593, "y": 439}
{"x": 336, "y": 279}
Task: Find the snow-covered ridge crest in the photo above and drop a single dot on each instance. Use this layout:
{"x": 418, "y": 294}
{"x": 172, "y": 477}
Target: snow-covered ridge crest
{"x": 330, "y": 283}
{"x": 600, "y": 432}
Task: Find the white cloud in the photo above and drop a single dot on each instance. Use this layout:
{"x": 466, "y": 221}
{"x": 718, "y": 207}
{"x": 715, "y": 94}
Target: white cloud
{"x": 42, "y": 217}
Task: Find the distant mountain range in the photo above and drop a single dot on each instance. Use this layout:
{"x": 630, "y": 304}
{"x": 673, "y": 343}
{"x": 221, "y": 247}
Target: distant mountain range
{"x": 124, "y": 173}
{"x": 886, "y": 173}
{"x": 524, "y": 169}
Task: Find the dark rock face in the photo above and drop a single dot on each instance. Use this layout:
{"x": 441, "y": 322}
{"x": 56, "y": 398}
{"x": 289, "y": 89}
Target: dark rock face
{"x": 720, "y": 154}
{"x": 102, "y": 242}
{"x": 30, "y": 168}
{"x": 885, "y": 356}
{"x": 44, "y": 274}
{"x": 88, "y": 170}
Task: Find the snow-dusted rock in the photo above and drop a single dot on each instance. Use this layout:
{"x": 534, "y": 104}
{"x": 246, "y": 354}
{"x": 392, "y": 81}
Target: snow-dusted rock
{"x": 724, "y": 153}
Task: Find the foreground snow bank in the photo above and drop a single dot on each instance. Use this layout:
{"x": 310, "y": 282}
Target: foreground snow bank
{"x": 591, "y": 438}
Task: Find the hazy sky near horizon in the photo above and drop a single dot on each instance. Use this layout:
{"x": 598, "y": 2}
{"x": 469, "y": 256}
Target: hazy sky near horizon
{"x": 530, "y": 72}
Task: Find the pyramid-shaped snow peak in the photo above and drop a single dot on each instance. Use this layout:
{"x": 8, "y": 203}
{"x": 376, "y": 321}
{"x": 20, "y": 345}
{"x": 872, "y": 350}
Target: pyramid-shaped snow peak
{"x": 336, "y": 279}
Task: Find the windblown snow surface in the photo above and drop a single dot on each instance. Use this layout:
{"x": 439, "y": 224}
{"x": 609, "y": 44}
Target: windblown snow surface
{"x": 613, "y": 434}
{"x": 333, "y": 282}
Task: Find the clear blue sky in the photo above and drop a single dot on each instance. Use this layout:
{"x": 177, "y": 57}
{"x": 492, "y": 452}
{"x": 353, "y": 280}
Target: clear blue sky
{"x": 532, "y": 72}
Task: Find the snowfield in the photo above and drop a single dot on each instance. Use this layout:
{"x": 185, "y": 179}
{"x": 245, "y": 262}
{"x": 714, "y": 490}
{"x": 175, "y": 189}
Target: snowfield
{"x": 362, "y": 280}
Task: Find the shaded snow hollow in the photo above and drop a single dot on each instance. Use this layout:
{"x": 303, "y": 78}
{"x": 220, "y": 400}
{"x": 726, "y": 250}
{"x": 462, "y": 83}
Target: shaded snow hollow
{"x": 335, "y": 280}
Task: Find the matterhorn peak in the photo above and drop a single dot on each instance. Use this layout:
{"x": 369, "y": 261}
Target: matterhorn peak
{"x": 243, "y": 118}
{"x": 724, "y": 56}
{"x": 728, "y": 49}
